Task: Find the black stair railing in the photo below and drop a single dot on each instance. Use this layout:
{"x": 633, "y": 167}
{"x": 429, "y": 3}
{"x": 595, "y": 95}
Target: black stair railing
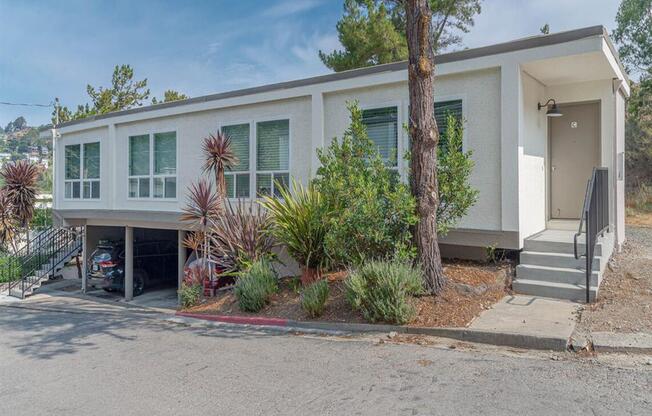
{"x": 47, "y": 251}
{"x": 10, "y": 269}
{"x": 594, "y": 219}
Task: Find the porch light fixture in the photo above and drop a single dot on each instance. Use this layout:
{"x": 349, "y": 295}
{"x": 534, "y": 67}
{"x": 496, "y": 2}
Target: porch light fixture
{"x": 552, "y": 110}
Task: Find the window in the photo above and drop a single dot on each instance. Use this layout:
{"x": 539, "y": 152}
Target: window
{"x": 382, "y": 129}
{"x": 153, "y": 166}
{"x": 442, "y": 110}
{"x": 237, "y": 178}
{"x": 272, "y": 156}
{"x": 91, "y": 169}
{"x": 82, "y": 171}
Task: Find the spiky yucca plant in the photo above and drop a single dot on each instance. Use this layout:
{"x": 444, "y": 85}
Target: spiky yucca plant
{"x": 20, "y": 179}
{"x": 298, "y": 221}
{"x": 218, "y": 156}
{"x": 201, "y": 210}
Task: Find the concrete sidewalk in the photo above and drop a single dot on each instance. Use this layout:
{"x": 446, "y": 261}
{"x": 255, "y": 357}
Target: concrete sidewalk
{"x": 540, "y": 318}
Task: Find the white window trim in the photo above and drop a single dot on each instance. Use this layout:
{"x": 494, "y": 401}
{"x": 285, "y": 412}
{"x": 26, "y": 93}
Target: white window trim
{"x": 81, "y": 179}
{"x": 151, "y": 174}
{"x": 254, "y": 160}
{"x": 252, "y": 151}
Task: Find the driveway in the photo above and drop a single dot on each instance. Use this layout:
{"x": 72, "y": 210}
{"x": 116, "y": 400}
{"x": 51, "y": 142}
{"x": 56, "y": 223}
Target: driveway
{"x": 76, "y": 357}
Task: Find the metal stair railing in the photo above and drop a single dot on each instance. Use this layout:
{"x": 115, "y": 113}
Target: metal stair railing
{"x": 594, "y": 219}
{"x": 10, "y": 269}
{"x": 51, "y": 248}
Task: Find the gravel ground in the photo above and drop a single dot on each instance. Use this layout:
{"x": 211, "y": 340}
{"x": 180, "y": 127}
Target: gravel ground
{"x": 625, "y": 298}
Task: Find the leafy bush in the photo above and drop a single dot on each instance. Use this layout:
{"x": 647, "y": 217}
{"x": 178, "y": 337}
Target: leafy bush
{"x": 298, "y": 221}
{"x": 255, "y": 286}
{"x": 371, "y": 211}
{"x": 190, "y": 294}
{"x": 381, "y": 290}
{"x": 313, "y": 298}
{"x": 454, "y": 167}
{"x": 10, "y": 268}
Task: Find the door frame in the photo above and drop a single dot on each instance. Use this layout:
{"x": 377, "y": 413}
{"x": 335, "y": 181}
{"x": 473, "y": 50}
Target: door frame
{"x": 547, "y": 163}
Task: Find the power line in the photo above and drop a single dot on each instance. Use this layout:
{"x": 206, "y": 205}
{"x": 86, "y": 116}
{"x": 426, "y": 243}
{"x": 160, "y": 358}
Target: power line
{"x": 27, "y": 104}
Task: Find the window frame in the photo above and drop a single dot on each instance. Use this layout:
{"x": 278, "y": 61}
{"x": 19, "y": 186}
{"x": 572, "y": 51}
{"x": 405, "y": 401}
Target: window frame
{"x": 151, "y": 176}
{"x": 252, "y": 156}
{"x": 456, "y": 97}
{"x": 81, "y": 180}
{"x": 254, "y": 161}
{"x": 401, "y": 136}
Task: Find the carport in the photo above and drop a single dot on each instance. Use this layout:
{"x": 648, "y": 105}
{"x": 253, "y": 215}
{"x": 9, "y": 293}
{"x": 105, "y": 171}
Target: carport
{"x": 133, "y": 238}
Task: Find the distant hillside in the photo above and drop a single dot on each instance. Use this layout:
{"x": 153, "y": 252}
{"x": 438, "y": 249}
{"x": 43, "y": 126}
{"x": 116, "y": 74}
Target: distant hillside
{"x": 19, "y": 140}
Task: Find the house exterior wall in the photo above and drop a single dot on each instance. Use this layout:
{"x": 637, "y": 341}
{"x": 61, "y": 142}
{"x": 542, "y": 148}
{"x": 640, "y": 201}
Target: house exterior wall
{"x": 620, "y": 170}
{"x": 480, "y": 95}
{"x": 507, "y": 135}
{"x": 86, "y": 136}
{"x": 533, "y": 151}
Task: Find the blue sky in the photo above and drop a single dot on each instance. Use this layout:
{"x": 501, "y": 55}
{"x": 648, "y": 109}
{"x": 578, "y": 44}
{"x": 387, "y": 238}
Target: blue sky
{"x": 197, "y": 47}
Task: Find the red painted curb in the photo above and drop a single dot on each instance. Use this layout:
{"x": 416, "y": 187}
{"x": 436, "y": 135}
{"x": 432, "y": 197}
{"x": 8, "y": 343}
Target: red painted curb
{"x": 249, "y": 320}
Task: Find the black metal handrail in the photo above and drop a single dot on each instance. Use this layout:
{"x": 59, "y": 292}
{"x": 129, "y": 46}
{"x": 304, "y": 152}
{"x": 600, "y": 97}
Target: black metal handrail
{"x": 51, "y": 249}
{"x": 594, "y": 219}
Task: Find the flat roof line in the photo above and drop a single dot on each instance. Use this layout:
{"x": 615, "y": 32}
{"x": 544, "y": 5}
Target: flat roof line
{"x": 511, "y": 46}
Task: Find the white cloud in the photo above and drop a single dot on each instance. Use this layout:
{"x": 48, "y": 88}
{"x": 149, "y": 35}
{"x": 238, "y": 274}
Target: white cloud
{"x": 290, "y": 7}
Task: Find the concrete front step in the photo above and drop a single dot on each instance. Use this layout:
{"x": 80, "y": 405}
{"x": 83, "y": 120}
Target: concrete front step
{"x": 555, "y": 274}
{"x": 555, "y": 290}
{"x": 563, "y": 247}
{"x": 537, "y": 258}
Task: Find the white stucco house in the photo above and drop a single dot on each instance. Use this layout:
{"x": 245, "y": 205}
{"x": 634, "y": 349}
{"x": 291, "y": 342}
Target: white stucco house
{"x": 125, "y": 174}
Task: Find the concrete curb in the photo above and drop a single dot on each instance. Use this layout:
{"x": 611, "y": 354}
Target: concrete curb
{"x": 639, "y": 343}
{"x": 462, "y": 334}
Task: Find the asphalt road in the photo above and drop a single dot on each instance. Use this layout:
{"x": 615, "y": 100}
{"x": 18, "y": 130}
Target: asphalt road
{"x": 96, "y": 360}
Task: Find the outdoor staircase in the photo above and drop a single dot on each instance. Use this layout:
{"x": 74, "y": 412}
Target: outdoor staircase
{"x": 548, "y": 266}
{"x": 41, "y": 259}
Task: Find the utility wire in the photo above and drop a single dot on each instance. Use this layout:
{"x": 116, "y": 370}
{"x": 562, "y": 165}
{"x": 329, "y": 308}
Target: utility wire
{"x": 27, "y": 104}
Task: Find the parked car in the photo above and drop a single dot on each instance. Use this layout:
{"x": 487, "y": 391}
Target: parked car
{"x": 194, "y": 270}
{"x": 155, "y": 262}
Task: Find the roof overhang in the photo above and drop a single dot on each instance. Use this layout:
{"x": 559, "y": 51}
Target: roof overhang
{"x": 566, "y": 46}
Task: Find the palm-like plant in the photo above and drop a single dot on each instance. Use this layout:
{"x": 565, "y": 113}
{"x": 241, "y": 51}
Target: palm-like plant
{"x": 219, "y": 156}
{"x": 242, "y": 235}
{"x": 299, "y": 222}
{"x": 20, "y": 179}
{"x": 202, "y": 209}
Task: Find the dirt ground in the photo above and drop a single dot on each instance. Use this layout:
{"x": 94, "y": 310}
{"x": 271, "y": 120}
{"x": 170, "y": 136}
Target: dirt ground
{"x": 625, "y": 298}
{"x": 471, "y": 288}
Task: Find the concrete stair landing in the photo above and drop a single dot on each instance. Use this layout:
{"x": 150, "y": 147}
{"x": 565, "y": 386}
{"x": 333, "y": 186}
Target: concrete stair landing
{"x": 548, "y": 266}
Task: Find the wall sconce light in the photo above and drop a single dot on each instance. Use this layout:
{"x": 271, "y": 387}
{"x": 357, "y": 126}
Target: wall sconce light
{"x": 552, "y": 110}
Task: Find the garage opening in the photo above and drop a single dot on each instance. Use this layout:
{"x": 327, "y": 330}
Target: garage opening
{"x": 155, "y": 264}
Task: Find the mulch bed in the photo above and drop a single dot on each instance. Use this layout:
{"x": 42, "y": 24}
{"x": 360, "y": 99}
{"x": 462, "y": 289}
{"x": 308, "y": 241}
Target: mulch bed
{"x": 471, "y": 288}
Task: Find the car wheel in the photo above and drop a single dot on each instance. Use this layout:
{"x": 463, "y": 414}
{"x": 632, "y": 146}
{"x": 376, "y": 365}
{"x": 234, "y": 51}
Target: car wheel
{"x": 139, "y": 284}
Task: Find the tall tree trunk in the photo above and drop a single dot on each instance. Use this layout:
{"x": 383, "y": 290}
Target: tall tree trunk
{"x": 425, "y": 137}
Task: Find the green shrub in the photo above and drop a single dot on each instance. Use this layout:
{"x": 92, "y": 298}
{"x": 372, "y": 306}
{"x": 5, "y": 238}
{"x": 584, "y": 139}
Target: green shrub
{"x": 299, "y": 222}
{"x": 371, "y": 211}
{"x": 382, "y": 290}
{"x": 454, "y": 168}
{"x": 313, "y": 298}
{"x": 190, "y": 295}
{"x": 255, "y": 286}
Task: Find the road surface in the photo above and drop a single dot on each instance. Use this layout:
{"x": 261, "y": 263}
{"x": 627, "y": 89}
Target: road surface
{"x": 92, "y": 359}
